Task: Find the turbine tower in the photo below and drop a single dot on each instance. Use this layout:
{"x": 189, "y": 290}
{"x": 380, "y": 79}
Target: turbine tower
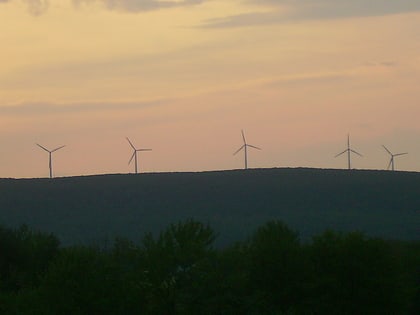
{"x": 349, "y": 151}
{"x": 245, "y": 148}
{"x": 391, "y": 161}
{"x": 50, "y": 156}
{"x": 135, "y": 150}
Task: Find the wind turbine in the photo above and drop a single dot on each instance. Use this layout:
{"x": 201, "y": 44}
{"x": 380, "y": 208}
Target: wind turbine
{"x": 49, "y": 156}
{"x": 349, "y": 151}
{"x": 245, "y": 148}
{"x": 135, "y": 153}
{"x": 391, "y": 161}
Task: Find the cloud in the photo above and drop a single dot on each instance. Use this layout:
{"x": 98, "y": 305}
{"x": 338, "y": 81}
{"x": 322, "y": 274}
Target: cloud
{"x": 311, "y": 79}
{"x": 247, "y": 19}
{"x": 387, "y": 64}
{"x": 40, "y": 109}
{"x": 37, "y": 7}
{"x": 139, "y": 5}
{"x": 283, "y": 11}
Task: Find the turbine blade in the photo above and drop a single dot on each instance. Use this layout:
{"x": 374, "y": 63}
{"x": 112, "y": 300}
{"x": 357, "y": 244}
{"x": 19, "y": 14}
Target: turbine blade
{"x": 130, "y": 143}
{"x": 58, "y": 148}
{"x": 42, "y": 147}
{"x": 341, "y": 153}
{"x": 239, "y": 150}
{"x": 355, "y": 152}
{"x": 387, "y": 149}
{"x": 132, "y": 157}
{"x": 243, "y": 136}
{"x": 398, "y": 154}
{"x": 143, "y": 150}
{"x": 253, "y": 146}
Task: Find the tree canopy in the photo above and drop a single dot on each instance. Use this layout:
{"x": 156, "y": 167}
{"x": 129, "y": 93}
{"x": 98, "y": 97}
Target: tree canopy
{"x": 179, "y": 271}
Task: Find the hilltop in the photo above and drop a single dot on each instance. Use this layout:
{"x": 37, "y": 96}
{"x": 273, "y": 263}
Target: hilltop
{"x": 93, "y": 209}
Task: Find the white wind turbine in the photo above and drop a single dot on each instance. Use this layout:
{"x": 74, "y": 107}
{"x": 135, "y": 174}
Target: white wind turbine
{"x": 245, "y": 148}
{"x": 50, "y": 156}
{"x": 135, "y": 150}
{"x": 349, "y": 151}
{"x": 391, "y": 161}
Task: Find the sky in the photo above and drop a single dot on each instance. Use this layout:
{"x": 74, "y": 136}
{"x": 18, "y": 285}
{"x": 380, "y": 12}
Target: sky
{"x": 184, "y": 77}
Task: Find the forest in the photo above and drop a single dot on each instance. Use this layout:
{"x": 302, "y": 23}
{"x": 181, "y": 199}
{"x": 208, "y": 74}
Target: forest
{"x": 181, "y": 271}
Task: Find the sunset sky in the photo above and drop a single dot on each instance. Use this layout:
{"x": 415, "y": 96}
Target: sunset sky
{"x": 183, "y": 77}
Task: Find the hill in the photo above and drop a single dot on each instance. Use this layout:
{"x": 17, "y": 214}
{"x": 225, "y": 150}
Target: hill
{"x": 92, "y": 209}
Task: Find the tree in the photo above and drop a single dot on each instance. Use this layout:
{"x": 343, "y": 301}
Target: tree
{"x": 81, "y": 280}
{"x": 354, "y": 275}
{"x": 277, "y": 270}
{"x": 175, "y": 267}
{"x": 25, "y": 256}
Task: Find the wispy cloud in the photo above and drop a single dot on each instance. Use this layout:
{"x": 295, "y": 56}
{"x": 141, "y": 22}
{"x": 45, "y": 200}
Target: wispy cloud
{"x": 283, "y": 11}
{"x": 42, "y": 108}
{"x": 139, "y": 5}
{"x": 37, "y": 7}
{"x": 387, "y": 63}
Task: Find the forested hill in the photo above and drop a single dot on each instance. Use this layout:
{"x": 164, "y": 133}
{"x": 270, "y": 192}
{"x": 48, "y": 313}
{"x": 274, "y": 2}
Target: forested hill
{"x": 93, "y": 209}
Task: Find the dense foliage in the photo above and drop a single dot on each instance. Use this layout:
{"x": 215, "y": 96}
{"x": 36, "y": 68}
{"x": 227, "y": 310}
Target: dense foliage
{"x": 180, "y": 272}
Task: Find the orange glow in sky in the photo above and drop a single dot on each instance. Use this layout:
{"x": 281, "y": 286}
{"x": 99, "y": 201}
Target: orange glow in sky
{"x": 184, "y": 77}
